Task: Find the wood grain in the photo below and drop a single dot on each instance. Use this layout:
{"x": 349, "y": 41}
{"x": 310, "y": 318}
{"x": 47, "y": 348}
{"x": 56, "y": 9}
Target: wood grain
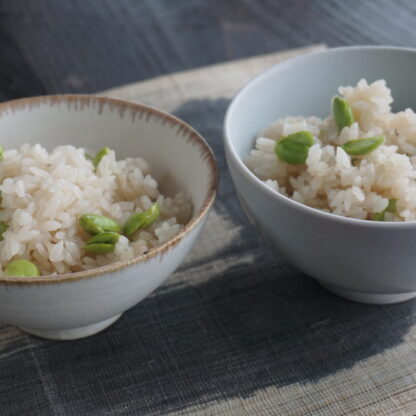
{"x": 49, "y": 46}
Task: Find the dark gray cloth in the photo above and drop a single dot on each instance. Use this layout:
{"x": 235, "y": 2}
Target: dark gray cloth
{"x": 234, "y": 323}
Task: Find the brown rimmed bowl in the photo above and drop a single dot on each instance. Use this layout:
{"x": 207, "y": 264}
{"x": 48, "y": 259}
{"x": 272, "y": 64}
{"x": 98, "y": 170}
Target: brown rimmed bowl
{"x": 76, "y": 305}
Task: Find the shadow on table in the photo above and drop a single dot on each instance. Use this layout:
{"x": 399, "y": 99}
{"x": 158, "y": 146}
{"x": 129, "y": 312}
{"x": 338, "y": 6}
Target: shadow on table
{"x": 254, "y": 326}
{"x": 257, "y": 323}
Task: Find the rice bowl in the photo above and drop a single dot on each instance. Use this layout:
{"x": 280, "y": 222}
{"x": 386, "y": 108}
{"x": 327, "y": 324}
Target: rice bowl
{"x": 334, "y": 181}
{"x": 366, "y": 260}
{"x": 77, "y": 304}
{"x": 45, "y": 193}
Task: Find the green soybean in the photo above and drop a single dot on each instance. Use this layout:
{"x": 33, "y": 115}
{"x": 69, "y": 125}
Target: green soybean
{"x": 96, "y": 224}
{"x": 294, "y": 148}
{"x": 97, "y": 159}
{"x": 22, "y": 267}
{"x": 363, "y": 146}
{"x": 3, "y": 228}
{"x": 99, "y": 248}
{"x": 102, "y": 243}
{"x": 106, "y": 237}
{"x": 391, "y": 207}
{"x": 342, "y": 112}
{"x": 378, "y": 216}
{"x": 141, "y": 220}
{"x": 89, "y": 157}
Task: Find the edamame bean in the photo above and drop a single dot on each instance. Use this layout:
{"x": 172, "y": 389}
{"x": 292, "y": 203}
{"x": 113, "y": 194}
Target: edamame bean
{"x": 141, "y": 220}
{"x": 89, "y": 157}
{"x": 96, "y": 224}
{"x": 3, "y": 228}
{"x": 107, "y": 238}
{"x": 391, "y": 207}
{"x": 342, "y": 112}
{"x": 363, "y": 146}
{"x": 377, "y": 216}
{"x": 102, "y": 243}
{"x": 97, "y": 159}
{"x": 294, "y": 148}
{"x": 22, "y": 267}
{"x": 99, "y": 248}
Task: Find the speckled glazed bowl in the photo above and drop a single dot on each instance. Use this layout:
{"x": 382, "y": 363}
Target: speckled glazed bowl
{"x": 365, "y": 261}
{"x": 76, "y": 305}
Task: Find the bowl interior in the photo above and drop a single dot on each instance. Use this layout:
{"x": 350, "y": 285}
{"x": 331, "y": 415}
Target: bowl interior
{"x": 178, "y": 156}
{"x": 305, "y": 85}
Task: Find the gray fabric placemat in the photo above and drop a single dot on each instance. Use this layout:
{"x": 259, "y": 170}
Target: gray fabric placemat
{"x": 235, "y": 331}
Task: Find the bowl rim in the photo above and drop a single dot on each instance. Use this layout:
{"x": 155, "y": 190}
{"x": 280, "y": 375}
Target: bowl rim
{"x": 189, "y": 134}
{"x": 257, "y": 182}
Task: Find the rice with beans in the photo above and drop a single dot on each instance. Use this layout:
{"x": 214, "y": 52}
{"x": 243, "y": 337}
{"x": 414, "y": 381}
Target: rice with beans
{"x": 333, "y": 180}
{"x": 45, "y": 193}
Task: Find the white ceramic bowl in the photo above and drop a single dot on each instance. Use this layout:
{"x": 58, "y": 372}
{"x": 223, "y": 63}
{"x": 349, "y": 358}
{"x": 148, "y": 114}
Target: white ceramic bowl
{"x": 365, "y": 261}
{"x": 80, "y": 304}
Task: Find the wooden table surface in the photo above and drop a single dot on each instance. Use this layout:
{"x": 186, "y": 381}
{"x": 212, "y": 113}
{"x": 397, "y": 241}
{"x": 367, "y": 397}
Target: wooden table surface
{"x": 53, "y": 46}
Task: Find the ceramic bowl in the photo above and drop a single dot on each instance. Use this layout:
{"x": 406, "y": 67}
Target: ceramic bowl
{"x": 76, "y": 305}
{"x": 365, "y": 261}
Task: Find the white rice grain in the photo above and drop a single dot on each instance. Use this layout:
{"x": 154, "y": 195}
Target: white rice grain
{"x": 45, "y": 193}
{"x": 334, "y": 181}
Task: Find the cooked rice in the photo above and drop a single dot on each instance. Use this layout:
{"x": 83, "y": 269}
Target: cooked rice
{"x": 336, "y": 182}
{"x": 44, "y": 194}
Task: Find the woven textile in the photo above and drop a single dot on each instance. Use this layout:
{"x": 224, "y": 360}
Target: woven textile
{"x": 235, "y": 331}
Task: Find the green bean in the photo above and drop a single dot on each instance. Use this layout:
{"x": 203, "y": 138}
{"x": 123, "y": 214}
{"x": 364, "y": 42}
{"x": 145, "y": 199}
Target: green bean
{"x": 342, "y": 113}
{"x": 106, "y": 237}
{"x": 97, "y": 159}
{"x": 391, "y": 207}
{"x": 377, "y": 216}
{"x": 1, "y": 153}
{"x": 99, "y": 248}
{"x": 363, "y": 146}
{"x": 102, "y": 243}
{"x": 141, "y": 220}
{"x": 3, "y": 228}
{"x": 22, "y": 267}
{"x": 89, "y": 157}
{"x": 96, "y": 224}
{"x": 294, "y": 148}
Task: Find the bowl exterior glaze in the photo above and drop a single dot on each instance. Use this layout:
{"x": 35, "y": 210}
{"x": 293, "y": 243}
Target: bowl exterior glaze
{"x": 79, "y": 304}
{"x": 75, "y": 309}
{"x": 365, "y": 261}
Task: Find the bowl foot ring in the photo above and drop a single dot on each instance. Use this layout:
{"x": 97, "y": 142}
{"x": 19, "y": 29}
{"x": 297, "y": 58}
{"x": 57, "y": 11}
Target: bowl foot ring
{"x": 72, "y": 333}
{"x": 368, "y": 297}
